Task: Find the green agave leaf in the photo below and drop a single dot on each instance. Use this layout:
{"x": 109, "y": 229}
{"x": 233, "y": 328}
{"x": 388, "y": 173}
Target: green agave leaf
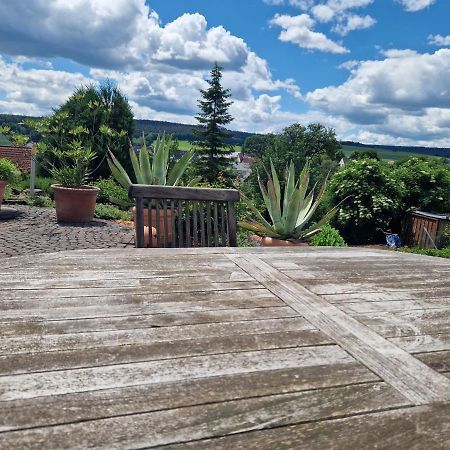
{"x": 117, "y": 170}
{"x": 258, "y": 228}
{"x": 303, "y": 180}
{"x": 255, "y": 211}
{"x": 136, "y": 166}
{"x": 318, "y": 200}
{"x": 275, "y": 210}
{"x": 292, "y": 212}
{"x": 276, "y": 186}
{"x": 161, "y": 159}
{"x": 145, "y": 166}
{"x": 303, "y": 212}
{"x": 290, "y": 185}
{"x": 178, "y": 169}
{"x": 265, "y": 196}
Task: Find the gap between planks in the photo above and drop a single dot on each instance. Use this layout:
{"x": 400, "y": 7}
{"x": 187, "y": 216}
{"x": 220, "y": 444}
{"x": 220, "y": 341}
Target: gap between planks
{"x": 413, "y": 379}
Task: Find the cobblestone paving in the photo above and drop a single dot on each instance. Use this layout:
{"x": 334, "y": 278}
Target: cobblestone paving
{"x": 35, "y": 230}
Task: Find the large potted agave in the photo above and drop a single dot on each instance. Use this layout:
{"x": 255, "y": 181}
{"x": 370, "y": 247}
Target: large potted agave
{"x": 152, "y": 170}
{"x": 289, "y": 212}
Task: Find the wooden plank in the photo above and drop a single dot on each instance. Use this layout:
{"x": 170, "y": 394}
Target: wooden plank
{"x": 14, "y": 387}
{"x": 205, "y": 421}
{"x": 108, "y": 338}
{"x": 423, "y": 343}
{"x": 187, "y": 214}
{"x": 183, "y": 193}
{"x": 439, "y": 361}
{"x": 362, "y": 307}
{"x": 195, "y": 223}
{"x": 153, "y": 284}
{"x": 31, "y": 343}
{"x": 407, "y": 323}
{"x": 151, "y": 351}
{"x": 424, "y": 427}
{"x": 331, "y": 287}
{"x": 152, "y": 267}
{"x": 252, "y": 297}
{"x": 130, "y": 287}
{"x": 370, "y": 276}
{"x": 389, "y": 296}
{"x": 139, "y": 223}
{"x": 208, "y": 224}
{"x": 100, "y": 278}
{"x": 66, "y": 408}
{"x": 17, "y": 321}
{"x": 231, "y": 222}
{"x": 410, "y": 377}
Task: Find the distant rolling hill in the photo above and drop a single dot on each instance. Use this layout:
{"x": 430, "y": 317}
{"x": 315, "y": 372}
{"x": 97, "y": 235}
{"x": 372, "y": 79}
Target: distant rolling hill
{"x": 184, "y": 133}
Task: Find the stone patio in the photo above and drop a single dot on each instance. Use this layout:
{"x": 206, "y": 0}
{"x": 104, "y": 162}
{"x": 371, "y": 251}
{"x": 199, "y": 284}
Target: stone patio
{"x": 34, "y": 230}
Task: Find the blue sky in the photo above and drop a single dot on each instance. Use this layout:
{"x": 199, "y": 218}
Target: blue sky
{"x": 378, "y": 71}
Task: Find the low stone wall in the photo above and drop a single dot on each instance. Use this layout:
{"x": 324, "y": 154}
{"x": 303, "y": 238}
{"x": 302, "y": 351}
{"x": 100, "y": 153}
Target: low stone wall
{"x": 18, "y": 155}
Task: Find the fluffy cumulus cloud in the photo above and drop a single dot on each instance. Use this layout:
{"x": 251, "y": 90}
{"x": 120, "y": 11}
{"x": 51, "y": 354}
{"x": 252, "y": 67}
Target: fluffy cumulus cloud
{"x": 299, "y": 30}
{"x": 34, "y": 91}
{"x": 440, "y": 41}
{"x": 159, "y": 67}
{"x": 405, "y": 96}
{"x": 416, "y": 5}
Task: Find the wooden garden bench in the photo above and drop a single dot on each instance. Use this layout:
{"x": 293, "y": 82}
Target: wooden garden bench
{"x": 168, "y": 216}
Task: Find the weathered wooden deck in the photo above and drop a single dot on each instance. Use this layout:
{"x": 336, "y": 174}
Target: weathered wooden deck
{"x": 225, "y": 349}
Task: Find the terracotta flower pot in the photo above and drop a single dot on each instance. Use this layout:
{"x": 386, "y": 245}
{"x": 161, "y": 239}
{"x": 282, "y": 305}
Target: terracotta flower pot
{"x": 75, "y": 205}
{"x": 2, "y": 190}
{"x": 272, "y": 242}
{"x": 162, "y": 231}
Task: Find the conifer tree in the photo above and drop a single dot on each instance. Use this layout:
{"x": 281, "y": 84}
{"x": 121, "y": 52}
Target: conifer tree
{"x": 213, "y": 162}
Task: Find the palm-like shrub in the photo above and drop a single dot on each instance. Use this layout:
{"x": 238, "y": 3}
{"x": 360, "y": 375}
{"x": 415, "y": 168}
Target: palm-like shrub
{"x": 289, "y": 212}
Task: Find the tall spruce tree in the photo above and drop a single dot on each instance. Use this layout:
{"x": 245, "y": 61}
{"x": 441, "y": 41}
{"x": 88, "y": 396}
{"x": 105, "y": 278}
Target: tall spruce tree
{"x": 213, "y": 163}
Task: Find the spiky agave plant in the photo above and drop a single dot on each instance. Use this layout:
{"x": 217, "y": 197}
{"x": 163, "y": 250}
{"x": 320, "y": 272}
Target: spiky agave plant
{"x": 155, "y": 170}
{"x": 291, "y": 212}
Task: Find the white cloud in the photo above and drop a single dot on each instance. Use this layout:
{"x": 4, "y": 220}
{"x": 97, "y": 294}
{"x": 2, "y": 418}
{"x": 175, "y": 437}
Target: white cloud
{"x": 35, "y": 91}
{"x": 299, "y": 30}
{"x": 405, "y": 96}
{"x": 354, "y": 22}
{"x": 441, "y": 41}
{"x": 415, "y": 5}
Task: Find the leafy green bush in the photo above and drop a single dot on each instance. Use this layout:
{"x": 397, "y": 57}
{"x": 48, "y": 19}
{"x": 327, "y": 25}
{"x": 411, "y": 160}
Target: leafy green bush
{"x": 8, "y": 171}
{"x": 442, "y": 253}
{"x": 329, "y": 237}
{"x": 111, "y": 192}
{"x": 427, "y": 184}
{"x": 110, "y": 212}
{"x": 41, "y": 201}
{"x": 444, "y": 240}
{"x": 44, "y": 184}
{"x": 375, "y": 199}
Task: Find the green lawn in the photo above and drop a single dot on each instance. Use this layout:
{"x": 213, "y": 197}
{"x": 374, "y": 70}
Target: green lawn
{"x": 186, "y": 145}
{"x": 387, "y": 155}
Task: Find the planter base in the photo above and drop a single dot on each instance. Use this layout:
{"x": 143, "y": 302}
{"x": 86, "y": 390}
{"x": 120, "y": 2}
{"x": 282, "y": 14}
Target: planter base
{"x": 272, "y": 242}
{"x": 75, "y": 205}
